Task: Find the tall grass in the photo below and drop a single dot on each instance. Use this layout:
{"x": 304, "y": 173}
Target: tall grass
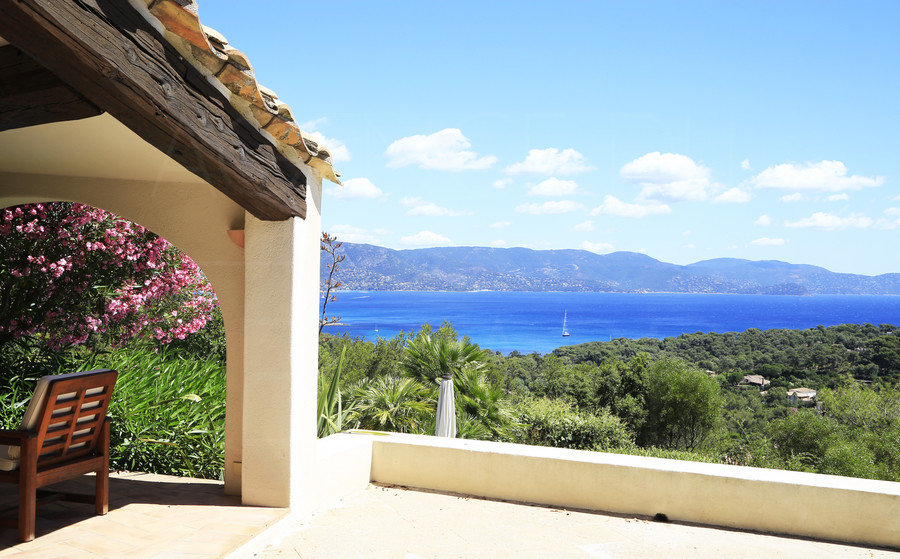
{"x": 168, "y": 411}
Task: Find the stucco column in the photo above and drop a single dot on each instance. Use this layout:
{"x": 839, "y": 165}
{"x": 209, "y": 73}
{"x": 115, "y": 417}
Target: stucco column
{"x": 280, "y": 360}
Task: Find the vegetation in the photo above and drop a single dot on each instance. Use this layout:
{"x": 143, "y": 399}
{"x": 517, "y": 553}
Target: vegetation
{"x": 168, "y": 408}
{"x": 681, "y": 398}
{"x": 72, "y": 274}
{"x": 82, "y": 288}
{"x": 332, "y": 263}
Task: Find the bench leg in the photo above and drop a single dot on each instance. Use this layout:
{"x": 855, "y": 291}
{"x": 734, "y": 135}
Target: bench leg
{"x": 101, "y": 499}
{"x": 28, "y": 489}
{"x": 101, "y": 495}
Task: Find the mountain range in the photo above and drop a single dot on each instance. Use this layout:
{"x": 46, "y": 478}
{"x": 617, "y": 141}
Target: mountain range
{"x": 369, "y": 267}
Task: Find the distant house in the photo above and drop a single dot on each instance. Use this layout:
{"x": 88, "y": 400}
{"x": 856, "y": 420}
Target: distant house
{"x": 801, "y": 395}
{"x": 756, "y": 380}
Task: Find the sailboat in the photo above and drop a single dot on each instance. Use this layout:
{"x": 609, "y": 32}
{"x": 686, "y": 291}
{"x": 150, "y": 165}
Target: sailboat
{"x": 565, "y": 331}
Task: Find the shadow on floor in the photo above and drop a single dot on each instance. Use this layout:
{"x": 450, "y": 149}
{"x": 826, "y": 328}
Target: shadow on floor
{"x": 132, "y": 490}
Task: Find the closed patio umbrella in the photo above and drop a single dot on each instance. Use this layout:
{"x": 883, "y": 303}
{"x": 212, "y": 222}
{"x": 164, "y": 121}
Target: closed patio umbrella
{"x": 445, "y": 425}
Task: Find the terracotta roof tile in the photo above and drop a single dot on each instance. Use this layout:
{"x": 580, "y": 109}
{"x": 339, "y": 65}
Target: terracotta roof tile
{"x": 228, "y": 68}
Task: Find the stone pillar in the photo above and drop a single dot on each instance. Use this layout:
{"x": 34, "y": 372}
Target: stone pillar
{"x": 280, "y": 359}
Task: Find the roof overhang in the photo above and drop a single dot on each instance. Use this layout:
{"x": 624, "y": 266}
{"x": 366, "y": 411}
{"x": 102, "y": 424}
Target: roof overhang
{"x": 67, "y": 60}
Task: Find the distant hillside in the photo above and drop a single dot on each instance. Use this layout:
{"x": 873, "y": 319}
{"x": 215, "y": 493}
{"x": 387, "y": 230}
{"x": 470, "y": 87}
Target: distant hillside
{"x": 369, "y": 267}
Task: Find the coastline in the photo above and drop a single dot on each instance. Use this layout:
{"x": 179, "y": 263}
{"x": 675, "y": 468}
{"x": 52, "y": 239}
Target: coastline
{"x": 532, "y": 321}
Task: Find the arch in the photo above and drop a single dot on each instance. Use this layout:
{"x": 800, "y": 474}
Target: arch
{"x": 195, "y": 218}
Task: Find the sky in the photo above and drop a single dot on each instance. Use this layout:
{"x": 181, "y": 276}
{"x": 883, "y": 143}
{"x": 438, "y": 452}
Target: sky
{"x": 683, "y": 130}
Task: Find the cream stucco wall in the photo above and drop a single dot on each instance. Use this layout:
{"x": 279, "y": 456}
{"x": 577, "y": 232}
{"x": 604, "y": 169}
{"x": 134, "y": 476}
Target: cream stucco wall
{"x": 281, "y": 360}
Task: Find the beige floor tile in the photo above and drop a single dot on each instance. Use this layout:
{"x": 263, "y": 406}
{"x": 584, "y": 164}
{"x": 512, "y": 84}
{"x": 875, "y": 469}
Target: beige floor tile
{"x": 150, "y": 516}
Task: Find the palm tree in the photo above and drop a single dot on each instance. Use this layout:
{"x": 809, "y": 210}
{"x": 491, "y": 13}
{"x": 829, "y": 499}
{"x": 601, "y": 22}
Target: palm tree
{"x": 391, "y": 403}
{"x": 482, "y": 412}
{"x": 481, "y": 402}
{"x": 428, "y": 358}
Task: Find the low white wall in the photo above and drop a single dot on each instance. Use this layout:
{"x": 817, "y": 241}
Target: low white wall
{"x": 343, "y": 467}
{"x": 812, "y": 505}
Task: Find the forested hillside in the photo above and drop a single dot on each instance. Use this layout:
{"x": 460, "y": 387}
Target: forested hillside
{"x": 684, "y": 397}
{"x": 821, "y": 357}
{"x": 369, "y": 267}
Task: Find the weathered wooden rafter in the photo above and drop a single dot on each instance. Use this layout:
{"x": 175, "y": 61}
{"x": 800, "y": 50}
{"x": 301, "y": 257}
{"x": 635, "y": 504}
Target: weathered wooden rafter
{"x": 109, "y": 54}
{"x": 30, "y": 94}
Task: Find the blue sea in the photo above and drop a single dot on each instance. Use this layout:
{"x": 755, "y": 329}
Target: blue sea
{"x": 527, "y": 322}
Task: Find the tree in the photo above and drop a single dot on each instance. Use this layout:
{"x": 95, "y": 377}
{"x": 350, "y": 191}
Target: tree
{"x": 70, "y": 272}
{"x": 429, "y": 356}
{"x": 479, "y": 401}
{"x": 480, "y": 405}
{"x": 391, "y": 403}
{"x": 330, "y": 245}
{"x": 683, "y": 405}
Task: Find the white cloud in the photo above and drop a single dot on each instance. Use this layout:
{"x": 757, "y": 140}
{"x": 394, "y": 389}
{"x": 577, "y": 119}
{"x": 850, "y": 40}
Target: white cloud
{"x": 668, "y": 176}
{"x": 824, "y": 176}
{"x": 425, "y": 238}
{"x": 613, "y": 206}
{"x": 555, "y": 207}
{"x": 745, "y": 165}
{"x": 550, "y": 161}
{"x": 353, "y": 234}
{"x": 584, "y": 227}
{"x": 554, "y": 187}
{"x": 417, "y": 206}
{"x": 354, "y": 189}
{"x": 766, "y": 242}
{"x": 733, "y": 196}
{"x": 338, "y": 150}
{"x": 499, "y": 243}
{"x": 889, "y": 223}
{"x": 502, "y": 183}
{"x": 822, "y": 220}
{"x": 795, "y": 197}
{"x": 838, "y": 197}
{"x": 763, "y": 221}
{"x": 500, "y": 224}
{"x": 447, "y": 150}
{"x": 598, "y": 248}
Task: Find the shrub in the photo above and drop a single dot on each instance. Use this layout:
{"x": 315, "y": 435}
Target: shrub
{"x": 168, "y": 412}
{"x": 545, "y": 422}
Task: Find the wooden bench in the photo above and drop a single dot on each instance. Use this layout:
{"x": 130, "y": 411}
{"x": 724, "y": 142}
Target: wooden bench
{"x": 64, "y": 434}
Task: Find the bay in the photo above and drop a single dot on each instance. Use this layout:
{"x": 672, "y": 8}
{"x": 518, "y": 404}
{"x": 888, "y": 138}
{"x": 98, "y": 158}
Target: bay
{"x": 508, "y": 321}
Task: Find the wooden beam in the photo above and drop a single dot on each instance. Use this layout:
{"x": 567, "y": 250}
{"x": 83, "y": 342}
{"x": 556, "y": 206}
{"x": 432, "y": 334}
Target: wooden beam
{"x": 30, "y": 94}
{"x": 107, "y": 52}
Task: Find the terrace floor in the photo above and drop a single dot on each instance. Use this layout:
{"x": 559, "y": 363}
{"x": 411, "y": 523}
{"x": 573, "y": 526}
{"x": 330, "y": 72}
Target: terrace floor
{"x": 150, "y": 516}
{"x": 396, "y": 522}
{"x": 155, "y": 516}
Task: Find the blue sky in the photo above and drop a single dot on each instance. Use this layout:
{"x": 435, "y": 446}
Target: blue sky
{"x": 684, "y": 130}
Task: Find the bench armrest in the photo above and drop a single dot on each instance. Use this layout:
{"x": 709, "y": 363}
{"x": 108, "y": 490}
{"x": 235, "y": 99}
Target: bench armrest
{"x": 14, "y": 437}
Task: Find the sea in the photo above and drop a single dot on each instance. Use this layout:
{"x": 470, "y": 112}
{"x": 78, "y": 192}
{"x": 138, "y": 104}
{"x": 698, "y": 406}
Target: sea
{"x": 528, "y": 322}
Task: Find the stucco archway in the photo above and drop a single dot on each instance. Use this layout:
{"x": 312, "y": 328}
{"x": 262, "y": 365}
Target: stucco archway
{"x": 191, "y": 215}
{"x": 98, "y": 161}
